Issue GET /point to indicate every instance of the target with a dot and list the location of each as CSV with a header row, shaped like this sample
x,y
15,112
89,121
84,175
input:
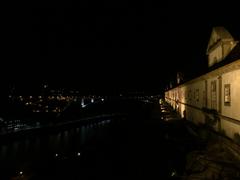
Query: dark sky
x,y
110,45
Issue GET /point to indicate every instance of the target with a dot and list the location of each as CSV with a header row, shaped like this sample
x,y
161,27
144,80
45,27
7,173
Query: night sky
x,y
108,45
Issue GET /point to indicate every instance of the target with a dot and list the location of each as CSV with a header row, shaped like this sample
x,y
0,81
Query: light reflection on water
x,y
44,145
83,135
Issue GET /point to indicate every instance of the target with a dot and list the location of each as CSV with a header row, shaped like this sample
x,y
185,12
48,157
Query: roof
x,y
218,34
232,56
222,32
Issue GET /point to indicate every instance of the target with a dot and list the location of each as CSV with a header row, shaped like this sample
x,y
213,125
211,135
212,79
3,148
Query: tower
x,y
220,45
179,77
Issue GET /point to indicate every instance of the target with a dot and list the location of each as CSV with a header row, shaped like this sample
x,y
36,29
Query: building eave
x,y
217,72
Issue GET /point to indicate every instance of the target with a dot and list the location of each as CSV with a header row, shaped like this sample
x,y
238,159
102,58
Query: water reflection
x,y
36,142
51,142
40,148
82,135
3,154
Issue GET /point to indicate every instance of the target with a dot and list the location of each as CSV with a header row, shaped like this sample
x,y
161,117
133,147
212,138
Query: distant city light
x,y
21,173
82,102
56,155
78,153
160,101
102,99
173,173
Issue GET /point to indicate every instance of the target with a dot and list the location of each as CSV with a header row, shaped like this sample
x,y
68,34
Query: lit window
x,y
227,95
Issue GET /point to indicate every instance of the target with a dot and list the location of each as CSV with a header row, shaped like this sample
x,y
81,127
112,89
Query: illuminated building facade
x,y
214,96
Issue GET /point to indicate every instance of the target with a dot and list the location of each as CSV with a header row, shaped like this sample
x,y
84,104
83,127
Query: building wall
x,y
230,128
227,47
215,56
208,92
232,110
212,102
221,51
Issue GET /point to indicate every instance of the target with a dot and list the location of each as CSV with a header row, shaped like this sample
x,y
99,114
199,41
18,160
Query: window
x,y
190,95
214,95
227,95
215,60
204,98
197,94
